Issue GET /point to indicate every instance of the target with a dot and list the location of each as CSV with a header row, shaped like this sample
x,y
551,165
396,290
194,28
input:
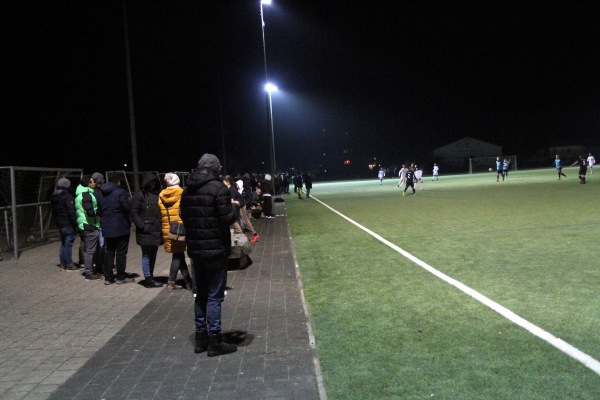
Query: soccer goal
x,y
483,164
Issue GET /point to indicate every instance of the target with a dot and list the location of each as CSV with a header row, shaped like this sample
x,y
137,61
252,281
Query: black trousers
x,y
116,252
267,205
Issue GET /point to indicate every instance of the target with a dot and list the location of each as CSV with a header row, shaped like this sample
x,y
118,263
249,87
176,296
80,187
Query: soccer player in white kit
x,y
418,177
591,162
380,175
402,175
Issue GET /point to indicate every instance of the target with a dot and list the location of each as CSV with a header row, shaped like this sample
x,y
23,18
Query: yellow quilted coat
x,y
170,197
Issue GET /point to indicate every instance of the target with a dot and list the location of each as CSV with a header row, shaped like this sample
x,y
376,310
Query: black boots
x,y
151,283
201,342
217,347
189,285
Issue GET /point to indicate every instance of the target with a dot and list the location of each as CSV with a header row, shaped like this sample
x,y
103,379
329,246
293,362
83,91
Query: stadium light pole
x,y
134,152
269,89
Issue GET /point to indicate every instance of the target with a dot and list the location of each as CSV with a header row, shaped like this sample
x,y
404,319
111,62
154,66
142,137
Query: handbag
x,y
176,229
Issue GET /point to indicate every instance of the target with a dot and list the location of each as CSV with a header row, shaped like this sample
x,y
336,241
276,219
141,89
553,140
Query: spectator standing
x,y
65,217
88,223
116,229
267,196
286,183
99,255
169,200
591,161
559,166
436,172
207,211
235,195
146,216
244,206
308,183
298,184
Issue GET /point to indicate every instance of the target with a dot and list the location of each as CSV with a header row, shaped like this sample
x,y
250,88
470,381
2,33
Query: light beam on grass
x,y
560,344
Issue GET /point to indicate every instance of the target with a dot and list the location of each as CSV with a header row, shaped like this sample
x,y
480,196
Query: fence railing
x,y
25,209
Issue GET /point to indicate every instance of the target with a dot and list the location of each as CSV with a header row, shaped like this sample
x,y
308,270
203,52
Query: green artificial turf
x,y
386,328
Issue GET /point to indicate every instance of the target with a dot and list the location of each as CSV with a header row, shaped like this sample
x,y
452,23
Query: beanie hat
x,y
171,179
64,183
98,178
209,162
268,177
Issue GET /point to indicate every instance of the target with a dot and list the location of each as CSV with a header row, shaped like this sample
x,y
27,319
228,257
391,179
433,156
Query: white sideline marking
x,y
560,344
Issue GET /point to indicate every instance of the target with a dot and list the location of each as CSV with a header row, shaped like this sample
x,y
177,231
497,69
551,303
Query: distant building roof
x,y
467,148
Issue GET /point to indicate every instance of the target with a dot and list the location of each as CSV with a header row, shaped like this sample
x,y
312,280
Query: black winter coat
x,y
308,181
63,208
114,211
207,211
146,216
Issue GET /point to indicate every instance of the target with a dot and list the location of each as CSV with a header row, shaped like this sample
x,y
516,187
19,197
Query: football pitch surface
x,y
472,288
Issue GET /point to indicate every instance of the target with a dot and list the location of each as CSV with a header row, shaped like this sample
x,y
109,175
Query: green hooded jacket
x,y
87,209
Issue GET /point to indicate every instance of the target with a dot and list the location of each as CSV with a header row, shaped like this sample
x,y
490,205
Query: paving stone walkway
x,y
62,337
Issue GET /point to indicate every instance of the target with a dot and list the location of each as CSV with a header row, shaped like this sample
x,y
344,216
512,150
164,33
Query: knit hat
x,y
98,178
171,179
64,183
209,162
268,177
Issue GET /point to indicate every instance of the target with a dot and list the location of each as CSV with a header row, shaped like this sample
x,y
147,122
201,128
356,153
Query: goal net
x,y
483,164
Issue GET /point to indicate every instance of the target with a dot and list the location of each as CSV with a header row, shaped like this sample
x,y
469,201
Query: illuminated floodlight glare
x,y
269,87
265,2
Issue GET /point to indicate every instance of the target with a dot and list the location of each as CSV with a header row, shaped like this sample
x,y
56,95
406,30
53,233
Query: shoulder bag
x,y
176,229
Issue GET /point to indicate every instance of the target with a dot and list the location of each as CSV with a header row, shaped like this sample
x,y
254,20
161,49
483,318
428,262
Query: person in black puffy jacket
x,y
146,216
207,210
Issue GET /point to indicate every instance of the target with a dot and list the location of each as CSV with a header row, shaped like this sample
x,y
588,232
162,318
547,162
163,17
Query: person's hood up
x,y
149,181
209,162
199,177
171,195
240,185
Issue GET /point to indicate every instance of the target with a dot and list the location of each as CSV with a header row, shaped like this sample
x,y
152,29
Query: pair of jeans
x,y
116,250
148,260
210,275
178,264
90,239
67,239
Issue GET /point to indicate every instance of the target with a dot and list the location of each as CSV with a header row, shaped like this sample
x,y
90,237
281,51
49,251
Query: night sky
x,y
389,80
